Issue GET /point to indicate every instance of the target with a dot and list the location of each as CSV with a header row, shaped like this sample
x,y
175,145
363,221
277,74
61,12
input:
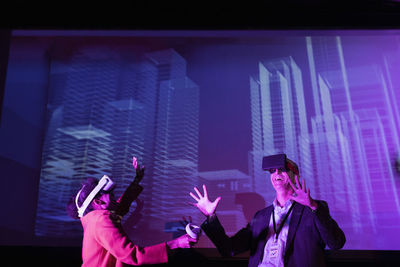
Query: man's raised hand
x,y
203,203
302,194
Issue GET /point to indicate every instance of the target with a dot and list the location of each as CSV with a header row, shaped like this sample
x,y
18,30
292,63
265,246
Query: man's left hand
x,y
302,194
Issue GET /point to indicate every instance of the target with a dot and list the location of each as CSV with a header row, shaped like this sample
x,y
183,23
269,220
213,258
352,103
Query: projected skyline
x,y
345,178
206,112
145,108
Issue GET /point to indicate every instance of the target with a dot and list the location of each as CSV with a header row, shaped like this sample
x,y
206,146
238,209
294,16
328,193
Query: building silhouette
x,y
279,119
104,108
360,102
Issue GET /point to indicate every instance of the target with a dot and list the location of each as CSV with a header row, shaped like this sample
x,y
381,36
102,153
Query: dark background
x,y
250,14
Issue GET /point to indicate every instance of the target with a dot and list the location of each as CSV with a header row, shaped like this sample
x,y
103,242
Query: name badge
x,y
273,250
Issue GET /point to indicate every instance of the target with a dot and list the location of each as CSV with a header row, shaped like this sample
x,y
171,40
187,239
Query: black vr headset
x,y
279,161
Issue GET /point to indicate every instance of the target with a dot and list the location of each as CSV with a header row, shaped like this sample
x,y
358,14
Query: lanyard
x,y
283,221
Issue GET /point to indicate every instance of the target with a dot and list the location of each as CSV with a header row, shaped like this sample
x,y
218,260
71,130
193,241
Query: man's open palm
x,y
203,203
302,195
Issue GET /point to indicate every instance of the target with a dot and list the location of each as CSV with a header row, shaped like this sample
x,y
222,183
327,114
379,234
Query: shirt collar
x,y
285,207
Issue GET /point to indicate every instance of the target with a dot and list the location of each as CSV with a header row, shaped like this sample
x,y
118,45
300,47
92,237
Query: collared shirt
x,y
279,247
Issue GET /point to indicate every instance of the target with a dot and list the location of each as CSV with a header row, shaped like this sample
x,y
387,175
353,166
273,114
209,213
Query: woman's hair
x,y
87,187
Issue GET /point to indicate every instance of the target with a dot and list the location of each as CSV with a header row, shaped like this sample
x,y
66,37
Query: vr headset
x,y
105,184
279,161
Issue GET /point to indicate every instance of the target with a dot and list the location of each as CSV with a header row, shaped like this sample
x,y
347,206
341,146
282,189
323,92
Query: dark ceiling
x,y
217,14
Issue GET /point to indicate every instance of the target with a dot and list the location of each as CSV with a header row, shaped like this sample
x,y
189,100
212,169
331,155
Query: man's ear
x,y
292,177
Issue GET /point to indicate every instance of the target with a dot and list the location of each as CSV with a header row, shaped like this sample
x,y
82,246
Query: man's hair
x,y
292,166
293,169
87,187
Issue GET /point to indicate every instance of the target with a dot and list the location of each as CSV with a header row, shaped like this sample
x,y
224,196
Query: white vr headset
x,y
105,184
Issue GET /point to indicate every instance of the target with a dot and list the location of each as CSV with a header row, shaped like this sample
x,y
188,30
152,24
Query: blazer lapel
x,y
294,223
263,228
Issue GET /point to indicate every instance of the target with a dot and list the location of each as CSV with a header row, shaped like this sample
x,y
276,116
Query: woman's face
x,y
107,201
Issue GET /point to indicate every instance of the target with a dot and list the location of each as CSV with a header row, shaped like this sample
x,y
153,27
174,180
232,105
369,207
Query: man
x,y
293,231
104,241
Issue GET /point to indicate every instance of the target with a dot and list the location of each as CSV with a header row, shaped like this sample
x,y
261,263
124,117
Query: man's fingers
x,y
198,192
216,201
193,196
292,185
192,204
205,191
297,182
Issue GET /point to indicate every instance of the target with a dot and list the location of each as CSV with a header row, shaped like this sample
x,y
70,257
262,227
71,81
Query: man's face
x,y
280,180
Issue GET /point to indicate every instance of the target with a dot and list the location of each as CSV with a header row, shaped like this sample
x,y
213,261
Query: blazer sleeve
x,y
110,235
328,228
227,246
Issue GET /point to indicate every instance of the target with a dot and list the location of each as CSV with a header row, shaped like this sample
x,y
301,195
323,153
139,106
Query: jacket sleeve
x,y
328,228
227,246
110,235
131,193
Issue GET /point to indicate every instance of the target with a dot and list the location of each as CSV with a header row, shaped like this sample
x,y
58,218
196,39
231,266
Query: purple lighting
x,y
204,108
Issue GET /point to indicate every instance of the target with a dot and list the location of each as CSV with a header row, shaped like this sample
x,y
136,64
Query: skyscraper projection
x,y
347,154
357,96
204,109
104,109
279,119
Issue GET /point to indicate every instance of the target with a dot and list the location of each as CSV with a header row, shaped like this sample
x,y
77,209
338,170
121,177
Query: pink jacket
x,y
105,244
